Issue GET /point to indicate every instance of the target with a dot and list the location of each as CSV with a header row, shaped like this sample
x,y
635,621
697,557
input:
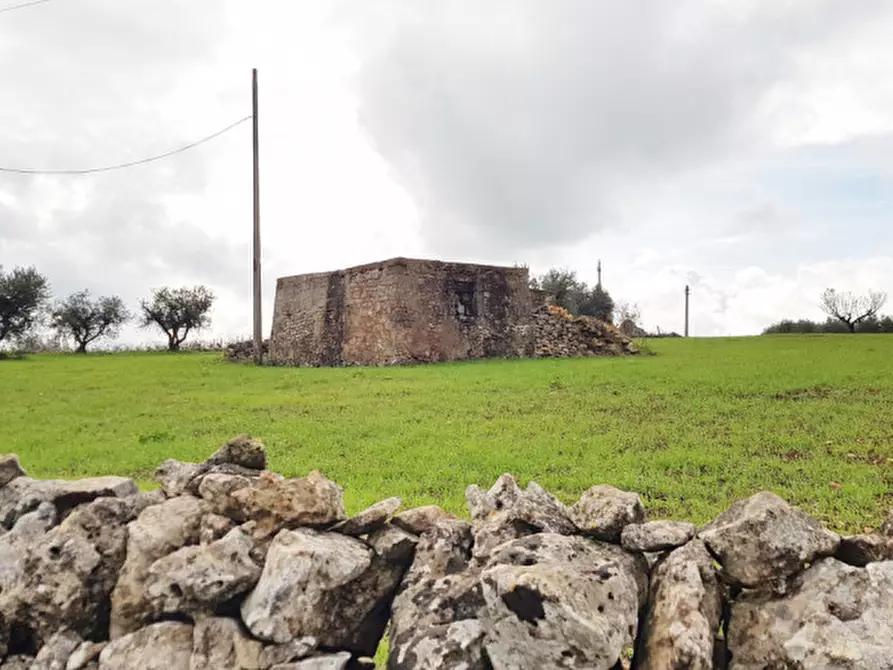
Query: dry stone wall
x,y
558,334
228,565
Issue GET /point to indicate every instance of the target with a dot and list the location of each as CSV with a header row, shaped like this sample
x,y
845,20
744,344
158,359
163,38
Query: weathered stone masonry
x,y
230,566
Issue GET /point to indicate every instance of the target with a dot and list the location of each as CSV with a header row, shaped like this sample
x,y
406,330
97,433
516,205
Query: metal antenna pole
x,y
258,327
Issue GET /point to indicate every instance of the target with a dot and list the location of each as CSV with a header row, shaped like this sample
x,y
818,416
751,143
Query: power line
x,y
121,166
22,6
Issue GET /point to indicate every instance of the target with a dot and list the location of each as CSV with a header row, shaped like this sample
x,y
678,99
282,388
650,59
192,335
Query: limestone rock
x,y
455,645
603,511
219,643
213,527
683,613
242,450
195,579
419,520
294,650
175,476
24,494
336,661
84,655
370,519
9,469
17,662
160,646
860,550
311,501
218,489
145,499
656,535
393,544
506,512
445,549
763,538
561,601
324,585
833,616
158,531
887,526
55,653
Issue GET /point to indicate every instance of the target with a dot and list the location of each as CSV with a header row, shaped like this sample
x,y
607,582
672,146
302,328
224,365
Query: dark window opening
x,y
465,307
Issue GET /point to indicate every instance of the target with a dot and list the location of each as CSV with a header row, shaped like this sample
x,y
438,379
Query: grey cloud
x,y
518,124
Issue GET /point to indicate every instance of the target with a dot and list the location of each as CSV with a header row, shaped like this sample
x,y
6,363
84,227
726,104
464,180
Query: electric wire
x,y
23,5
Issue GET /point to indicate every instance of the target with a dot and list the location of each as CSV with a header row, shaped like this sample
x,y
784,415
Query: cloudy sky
x,y
743,147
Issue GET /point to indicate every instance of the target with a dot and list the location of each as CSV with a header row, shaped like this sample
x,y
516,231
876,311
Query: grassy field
x,y
701,424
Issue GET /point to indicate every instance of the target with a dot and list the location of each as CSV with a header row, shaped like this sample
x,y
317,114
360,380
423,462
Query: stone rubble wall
x,y
229,565
558,334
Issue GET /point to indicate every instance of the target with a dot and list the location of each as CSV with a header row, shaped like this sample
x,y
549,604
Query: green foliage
x,y
178,312
700,425
872,324
23,294
574,295
86,320
851,309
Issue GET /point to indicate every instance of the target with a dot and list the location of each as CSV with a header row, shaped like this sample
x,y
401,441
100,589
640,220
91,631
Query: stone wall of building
x,y
402,311
230,566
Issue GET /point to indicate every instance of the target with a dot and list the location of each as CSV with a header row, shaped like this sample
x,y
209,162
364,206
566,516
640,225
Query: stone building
x,y
402,311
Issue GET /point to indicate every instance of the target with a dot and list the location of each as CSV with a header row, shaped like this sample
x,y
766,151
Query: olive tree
x,y
177,312
86,320
851,309
23,294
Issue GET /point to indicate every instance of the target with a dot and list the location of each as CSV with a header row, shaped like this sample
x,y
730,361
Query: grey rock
x,y
220,642
684,612
887,526
506,512
10,469
218,489
275,504
159,646
328,586
419,520
561,601
833,616
55,653
763,538
24,494
175,476
393,544
603,511
195,579
17,662
213,527
87,653
337,661
294,650
242,450
145,499
229,469
458,645
860,550
656,535
370,519
445,549
158,531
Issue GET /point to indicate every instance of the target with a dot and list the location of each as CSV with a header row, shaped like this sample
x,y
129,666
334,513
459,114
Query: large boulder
x,y
196,579
763,538
220,642
833,616
23,494
325,585
276,504
158,531
558,601
603,512
160,646
506,512
684,612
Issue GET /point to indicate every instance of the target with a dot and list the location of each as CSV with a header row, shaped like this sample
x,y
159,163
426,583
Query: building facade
x,y
402,311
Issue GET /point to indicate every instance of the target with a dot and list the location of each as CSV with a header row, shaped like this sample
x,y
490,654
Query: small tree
x,y
23,294
86,320
628,317
851,309
178,312
564,287
598,303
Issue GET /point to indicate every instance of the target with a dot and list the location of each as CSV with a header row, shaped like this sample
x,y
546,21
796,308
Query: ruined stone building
x,y
402,311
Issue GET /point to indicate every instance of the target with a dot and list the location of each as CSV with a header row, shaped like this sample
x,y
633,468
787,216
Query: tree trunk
x,y
82,348
851,326
173,344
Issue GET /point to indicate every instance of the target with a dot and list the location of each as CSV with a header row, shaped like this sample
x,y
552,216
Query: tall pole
x,y
599,272
687,291
258,327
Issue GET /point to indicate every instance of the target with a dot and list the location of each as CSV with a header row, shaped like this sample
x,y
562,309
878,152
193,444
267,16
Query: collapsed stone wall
x,y
558,334
228,565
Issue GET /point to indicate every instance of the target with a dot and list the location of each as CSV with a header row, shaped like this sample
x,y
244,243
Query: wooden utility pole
x,y
687,291
258,324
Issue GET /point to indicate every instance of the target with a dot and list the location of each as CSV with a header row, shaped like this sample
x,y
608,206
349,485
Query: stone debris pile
x,y
558,334
228,565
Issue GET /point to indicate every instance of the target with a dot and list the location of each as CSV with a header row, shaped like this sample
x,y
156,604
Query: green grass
x,y
703,423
